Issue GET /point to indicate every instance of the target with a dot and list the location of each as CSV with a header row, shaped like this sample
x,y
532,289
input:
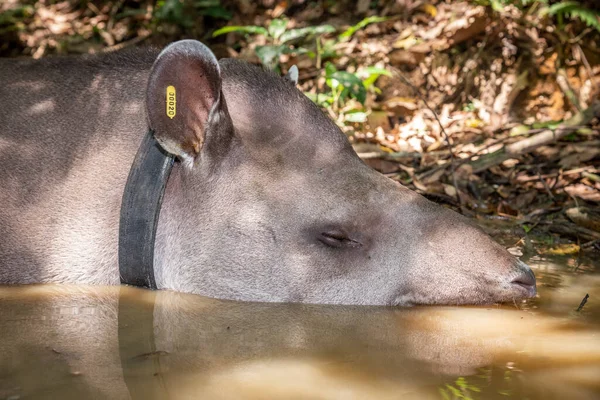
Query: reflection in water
x,y
80,342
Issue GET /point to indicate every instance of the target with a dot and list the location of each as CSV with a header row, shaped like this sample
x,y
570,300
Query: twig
x,y
309,75
318,44
423,175
581,35
548,136
94,9
392,156
540,212
542,138
590,244
544,183
591,176
563,83
585,299
128,43
570,229
425,172
481,150
113,12
452,158
585,61
581,171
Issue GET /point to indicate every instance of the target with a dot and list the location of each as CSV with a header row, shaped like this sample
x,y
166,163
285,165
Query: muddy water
x,y
118,343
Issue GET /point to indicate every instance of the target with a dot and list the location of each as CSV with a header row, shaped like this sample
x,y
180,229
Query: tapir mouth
x,y
525,280
518,285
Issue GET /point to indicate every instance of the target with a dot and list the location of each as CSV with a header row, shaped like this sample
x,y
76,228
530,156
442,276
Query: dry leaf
x,y
429,9
585,217
584,192
562,249
579,156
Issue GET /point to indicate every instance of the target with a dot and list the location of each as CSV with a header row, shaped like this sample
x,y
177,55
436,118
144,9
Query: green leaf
x,y
301,32
216,12
444,394
255,30
573,9
328,49
172,11
560,8
589,17
277,27
321,99
370,81
12,16
302,50
355,116
351,83
546,125
269,55
571,137
329,69
378,71
455,391
128,13
372,73
207,3
353,29
497,5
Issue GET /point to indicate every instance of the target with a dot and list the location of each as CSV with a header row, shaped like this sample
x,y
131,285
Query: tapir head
x,y
271,203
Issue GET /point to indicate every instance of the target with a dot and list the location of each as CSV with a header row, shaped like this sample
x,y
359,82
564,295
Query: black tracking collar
x,y
140,209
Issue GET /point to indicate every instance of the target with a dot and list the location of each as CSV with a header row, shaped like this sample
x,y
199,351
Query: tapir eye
x,y
337,238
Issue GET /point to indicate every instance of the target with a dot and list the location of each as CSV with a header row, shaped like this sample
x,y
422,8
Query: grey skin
x,y
269,202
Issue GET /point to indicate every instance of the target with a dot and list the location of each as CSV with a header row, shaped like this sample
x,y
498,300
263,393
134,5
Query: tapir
x,y
264,198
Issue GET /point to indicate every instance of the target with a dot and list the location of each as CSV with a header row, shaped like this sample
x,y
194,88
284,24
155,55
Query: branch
x,y
545,137
448,142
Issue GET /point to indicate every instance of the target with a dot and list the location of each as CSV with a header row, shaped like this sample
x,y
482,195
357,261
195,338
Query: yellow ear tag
x,y
171,102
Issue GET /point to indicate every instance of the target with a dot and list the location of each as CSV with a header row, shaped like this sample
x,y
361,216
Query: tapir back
x,y
69,128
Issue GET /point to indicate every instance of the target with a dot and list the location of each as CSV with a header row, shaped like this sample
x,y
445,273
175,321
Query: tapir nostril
x,y
525,279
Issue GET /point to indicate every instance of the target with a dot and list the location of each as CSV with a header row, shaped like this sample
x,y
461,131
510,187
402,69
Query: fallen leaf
x,y
409,58
583,191
474,123
383,166
585,217
525,199
429,9
402,106
579,156
379,119
504,191
549,65
405,43
450,190
471,24
562,249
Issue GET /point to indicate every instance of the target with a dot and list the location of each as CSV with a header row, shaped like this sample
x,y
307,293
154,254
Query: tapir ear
x,y
183,98
292,74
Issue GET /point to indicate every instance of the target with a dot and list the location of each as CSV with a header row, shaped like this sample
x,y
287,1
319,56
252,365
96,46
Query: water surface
x,y
74,342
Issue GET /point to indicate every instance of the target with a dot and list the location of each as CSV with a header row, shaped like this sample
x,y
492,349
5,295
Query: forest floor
x,y
490,106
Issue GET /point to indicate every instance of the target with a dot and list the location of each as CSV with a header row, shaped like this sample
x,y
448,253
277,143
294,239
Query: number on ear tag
x,y
171,102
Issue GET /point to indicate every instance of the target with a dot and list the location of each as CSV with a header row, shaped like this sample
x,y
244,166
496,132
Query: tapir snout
x,y
463,264
267,201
